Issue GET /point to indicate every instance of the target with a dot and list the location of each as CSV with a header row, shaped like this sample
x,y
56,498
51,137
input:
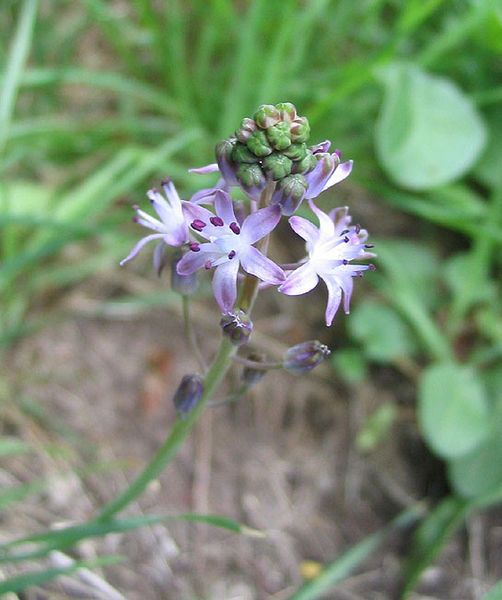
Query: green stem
x,y
190,334
179,432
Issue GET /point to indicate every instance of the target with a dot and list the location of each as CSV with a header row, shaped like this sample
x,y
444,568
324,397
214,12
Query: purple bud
x,y
188,394
185,285
237,327
252,376
304,357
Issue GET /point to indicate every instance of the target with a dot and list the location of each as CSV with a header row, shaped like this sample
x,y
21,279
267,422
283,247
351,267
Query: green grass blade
x,y
352,558
15,65
10,446
32,578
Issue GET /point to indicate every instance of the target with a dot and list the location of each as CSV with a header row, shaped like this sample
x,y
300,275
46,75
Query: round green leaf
x,y
452,411
384,336
479,472
428,132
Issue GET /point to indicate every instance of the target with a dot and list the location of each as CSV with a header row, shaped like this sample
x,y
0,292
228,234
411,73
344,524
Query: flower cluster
x,y
269,159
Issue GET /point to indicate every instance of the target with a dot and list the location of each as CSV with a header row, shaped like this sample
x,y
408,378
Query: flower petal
x,y
257,225
339,174
224,207
300,281
322,147
318,177
305,229
142,242
212,168
192,261
334,298
257,264
225,285
326,225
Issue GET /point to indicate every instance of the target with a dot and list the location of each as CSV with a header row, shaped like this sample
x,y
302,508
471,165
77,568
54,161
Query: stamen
x,y
371,267
198,225
207,265
217,221
345,231
135,219
231,254
235,228
194,247
166,181
346,239
345,261
369,245
135,206
358,228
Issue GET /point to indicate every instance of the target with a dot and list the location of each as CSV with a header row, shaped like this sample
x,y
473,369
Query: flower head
x,y
331,247
170,227
229,245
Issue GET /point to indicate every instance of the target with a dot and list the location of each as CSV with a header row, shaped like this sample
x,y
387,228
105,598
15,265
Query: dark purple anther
x,y
358,228
198,225
194,247
235,228
346,239
345,261
217,221
231,254
369,245
135,219
207,265
344,232
372,267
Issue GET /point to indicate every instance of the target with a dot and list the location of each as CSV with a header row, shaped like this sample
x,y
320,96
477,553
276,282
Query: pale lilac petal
x,y
192,261
339,174
206,195
225,285
257,264
322,147
224,207
159,258
317,178
340,217
347,285
257,225
212,168
177,236
143,218
172,194
194,212
305,229
142,242
334,299
161,206
326,225
300,281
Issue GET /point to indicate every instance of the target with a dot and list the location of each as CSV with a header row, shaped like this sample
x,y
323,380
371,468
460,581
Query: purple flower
x,y
330,249
171,229
229,245
328,171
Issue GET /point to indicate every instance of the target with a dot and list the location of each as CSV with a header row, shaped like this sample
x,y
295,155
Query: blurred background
x,y
100,100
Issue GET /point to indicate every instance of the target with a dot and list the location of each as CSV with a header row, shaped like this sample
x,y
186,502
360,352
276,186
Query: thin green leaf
x,y
15,66
350,560
32,578
11,446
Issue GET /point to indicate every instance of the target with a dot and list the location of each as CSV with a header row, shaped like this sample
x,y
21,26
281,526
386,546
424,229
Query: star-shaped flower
x,y
331,247
229,246
171,229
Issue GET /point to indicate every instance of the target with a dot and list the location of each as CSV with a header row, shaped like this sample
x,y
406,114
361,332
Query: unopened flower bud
x,y
188,394
279,136
241,154
226,165
251,376
248,126
300,130
286,110
306,164
237,327
251,177
296,151
258,144
185,285
304,357
277,166
266,116
289,193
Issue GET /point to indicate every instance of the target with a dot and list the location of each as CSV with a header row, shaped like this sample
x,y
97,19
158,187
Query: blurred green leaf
x,y
488,170
495,593
453,410
10,446
428,132
430,537
349,364
376,427
383,335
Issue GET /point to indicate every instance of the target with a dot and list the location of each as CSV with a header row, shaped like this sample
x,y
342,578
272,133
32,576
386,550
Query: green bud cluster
x,y
271,145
